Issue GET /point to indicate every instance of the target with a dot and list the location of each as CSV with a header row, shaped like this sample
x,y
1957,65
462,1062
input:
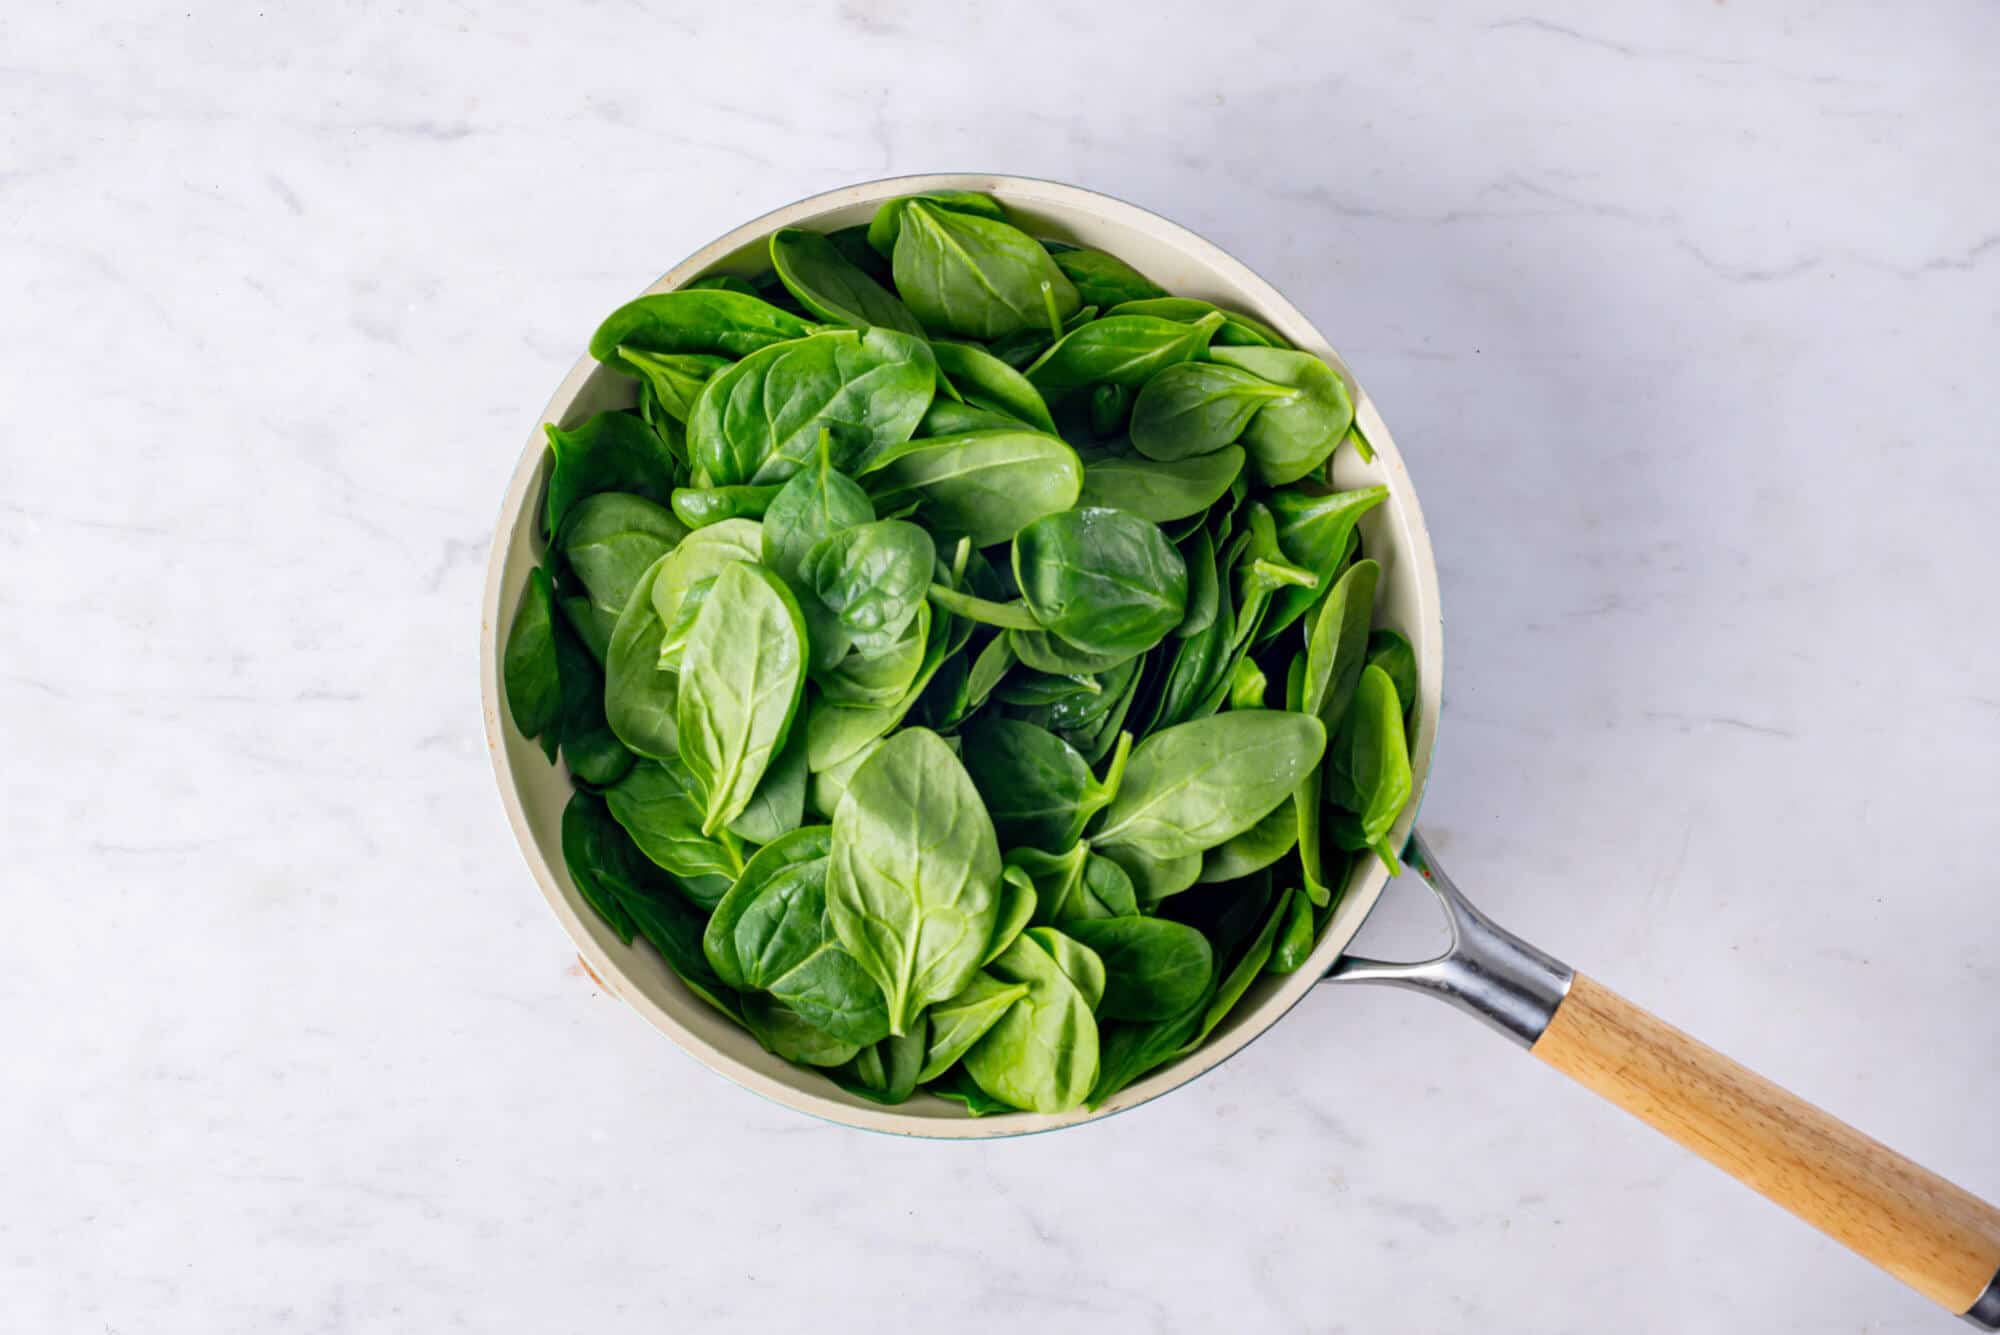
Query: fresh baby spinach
x,y
964,665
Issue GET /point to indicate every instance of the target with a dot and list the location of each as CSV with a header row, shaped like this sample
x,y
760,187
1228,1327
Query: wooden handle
x,y
1939,1239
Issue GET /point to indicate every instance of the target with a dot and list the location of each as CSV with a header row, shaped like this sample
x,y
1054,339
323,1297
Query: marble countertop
x,y
1684,317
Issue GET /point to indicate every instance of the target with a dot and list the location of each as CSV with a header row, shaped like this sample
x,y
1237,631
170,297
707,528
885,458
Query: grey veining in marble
x,y
1684,315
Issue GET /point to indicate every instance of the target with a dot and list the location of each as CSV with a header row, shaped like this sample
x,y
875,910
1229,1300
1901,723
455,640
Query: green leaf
x,y
1237,328
608,540
1315,532
1195,408
675,378
1105,280
804,845
914,890
693,320
760,420
528,667
741,678
1153,969
1368,766
988,485
1288,438
1042,1054
1103,580
873,577
1119,350
989,383
698,507
832,286
640,701
609,452
958,1022
592,751
660,805
1191,787
887,224
975,277
1161,492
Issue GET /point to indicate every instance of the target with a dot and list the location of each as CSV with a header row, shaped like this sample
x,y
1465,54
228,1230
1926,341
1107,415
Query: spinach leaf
x,y
1161,492
1391,651
885,1071
528,668
1103,580
991,384
1120,350
914,889
1237,329
1128,1050
1204,586
779,804
609,452
698,507
608,540
1042,1054
782,947
1288,438
641,702
598,857
976,277
1105,280
1337,646
832,286
988,485
815,503
741,679
1038,790
674,378
660,806
1315,532
887,224
786,1033
1368,768
1255,848
879,679
1017,909
760,420
1021,349
1198,407
1110,405
594,754
958,1022
693,320
834,733
701,556
949,417
1295,936
1153,878
1190,787
1043,652
960,1088
873,577
1153,969
1075,885
718,943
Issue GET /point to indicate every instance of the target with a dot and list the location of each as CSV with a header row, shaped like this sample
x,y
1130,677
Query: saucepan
x,y
1936,1237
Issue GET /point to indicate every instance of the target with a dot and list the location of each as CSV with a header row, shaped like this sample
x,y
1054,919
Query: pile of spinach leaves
x,y
966,669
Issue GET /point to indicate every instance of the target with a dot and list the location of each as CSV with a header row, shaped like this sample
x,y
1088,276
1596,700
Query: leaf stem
x,y
1009,616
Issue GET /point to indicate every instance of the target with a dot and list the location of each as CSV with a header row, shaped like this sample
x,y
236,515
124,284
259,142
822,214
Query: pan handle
x,y
1937,1238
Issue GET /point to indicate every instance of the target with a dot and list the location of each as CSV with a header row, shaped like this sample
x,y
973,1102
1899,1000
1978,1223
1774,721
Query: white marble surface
x,y
1684,315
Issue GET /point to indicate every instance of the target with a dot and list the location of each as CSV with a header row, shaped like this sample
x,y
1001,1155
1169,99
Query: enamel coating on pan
x,y
533,792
